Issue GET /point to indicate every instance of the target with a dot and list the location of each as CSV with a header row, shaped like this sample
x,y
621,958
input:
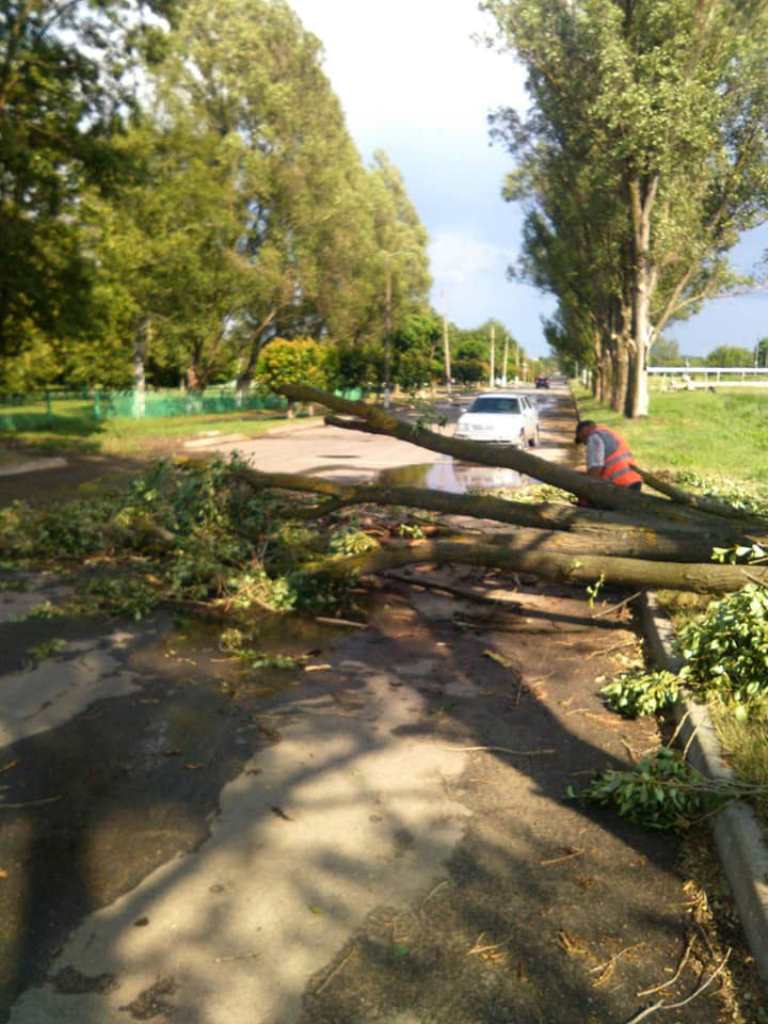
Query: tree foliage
x,y
186,226
643,156
65,84
730,355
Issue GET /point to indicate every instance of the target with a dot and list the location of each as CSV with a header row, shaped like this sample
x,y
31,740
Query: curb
x,y
738,837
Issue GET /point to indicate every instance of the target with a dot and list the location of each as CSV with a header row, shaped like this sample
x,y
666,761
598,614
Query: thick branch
x,y
703,502
549,565
581,530
373,420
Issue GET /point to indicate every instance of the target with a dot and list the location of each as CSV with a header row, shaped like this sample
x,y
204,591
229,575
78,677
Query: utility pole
x,y
388,332
493,356
505,364
447,354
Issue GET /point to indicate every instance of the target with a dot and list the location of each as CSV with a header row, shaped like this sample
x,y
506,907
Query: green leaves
x,y
662,791
635,693
726,650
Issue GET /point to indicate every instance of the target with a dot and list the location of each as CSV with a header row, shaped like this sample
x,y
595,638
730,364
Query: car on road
x,y
542,382
500,417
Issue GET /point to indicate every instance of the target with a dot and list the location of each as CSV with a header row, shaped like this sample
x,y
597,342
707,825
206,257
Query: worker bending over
x,y
608,455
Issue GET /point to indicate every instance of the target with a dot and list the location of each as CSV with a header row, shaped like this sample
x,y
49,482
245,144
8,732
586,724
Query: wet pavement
x,y
350,457
376,833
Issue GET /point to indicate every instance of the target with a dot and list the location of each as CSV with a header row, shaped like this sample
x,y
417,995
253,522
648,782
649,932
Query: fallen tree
x,y
626,538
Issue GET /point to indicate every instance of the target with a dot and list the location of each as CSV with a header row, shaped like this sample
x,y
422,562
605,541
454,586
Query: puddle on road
x,y
454,477
195,651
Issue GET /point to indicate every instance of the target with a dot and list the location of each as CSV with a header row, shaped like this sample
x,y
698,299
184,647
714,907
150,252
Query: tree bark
x,y
587,530
550,565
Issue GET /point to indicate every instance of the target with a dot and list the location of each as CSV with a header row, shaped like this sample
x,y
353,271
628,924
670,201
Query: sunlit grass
x,y
746,746
77,431
721,434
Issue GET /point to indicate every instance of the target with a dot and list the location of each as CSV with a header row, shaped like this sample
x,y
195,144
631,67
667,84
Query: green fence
x,y
45,409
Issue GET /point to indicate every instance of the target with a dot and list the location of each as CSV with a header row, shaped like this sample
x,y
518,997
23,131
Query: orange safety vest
x,y
619,461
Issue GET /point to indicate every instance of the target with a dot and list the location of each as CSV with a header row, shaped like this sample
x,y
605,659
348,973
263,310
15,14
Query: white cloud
x,y
457,259
409,70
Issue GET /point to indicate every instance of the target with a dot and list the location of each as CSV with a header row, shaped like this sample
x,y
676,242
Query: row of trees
x,y
666,352
414,358
178,188
642,158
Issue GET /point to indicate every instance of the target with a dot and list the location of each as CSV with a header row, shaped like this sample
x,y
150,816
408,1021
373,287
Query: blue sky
x,y
413,82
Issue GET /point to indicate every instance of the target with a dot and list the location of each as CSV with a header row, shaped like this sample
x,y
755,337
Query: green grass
x,y
722,434
75,432
746,748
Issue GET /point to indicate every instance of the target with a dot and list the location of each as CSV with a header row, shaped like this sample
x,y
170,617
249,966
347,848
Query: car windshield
x,y
495,405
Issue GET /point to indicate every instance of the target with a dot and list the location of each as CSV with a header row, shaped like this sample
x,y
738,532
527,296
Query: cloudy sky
x,y
413,82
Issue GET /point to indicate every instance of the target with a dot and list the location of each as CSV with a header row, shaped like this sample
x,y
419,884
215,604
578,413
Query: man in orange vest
x,y
608,455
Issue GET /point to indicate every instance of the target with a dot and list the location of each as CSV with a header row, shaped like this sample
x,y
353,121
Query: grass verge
x,y
722,434
722,437
124,436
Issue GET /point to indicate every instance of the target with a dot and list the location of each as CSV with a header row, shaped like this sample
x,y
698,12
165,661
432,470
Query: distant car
x,y
542,382
500,418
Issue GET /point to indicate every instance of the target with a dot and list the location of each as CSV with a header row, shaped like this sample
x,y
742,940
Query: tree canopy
x,y
178,190
642,159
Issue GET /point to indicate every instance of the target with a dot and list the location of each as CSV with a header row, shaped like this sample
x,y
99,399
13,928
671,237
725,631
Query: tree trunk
x,y
563,568
372,420
644,537
642,195
620,379
140,342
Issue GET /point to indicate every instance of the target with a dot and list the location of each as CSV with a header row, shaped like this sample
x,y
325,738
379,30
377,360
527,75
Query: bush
x,y
299,361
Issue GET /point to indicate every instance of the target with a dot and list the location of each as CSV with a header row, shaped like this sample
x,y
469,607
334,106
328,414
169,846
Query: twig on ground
x,y
340,622
7,767
646,1012
616,647
31,803
326,982
606,969
476,949
679,727
434,892
560,860
704,985
678,972
662,1006
690,740
504,750
633,755
617,607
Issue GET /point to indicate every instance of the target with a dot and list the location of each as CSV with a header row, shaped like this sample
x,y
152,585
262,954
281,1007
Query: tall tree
x,y
662,103
64,83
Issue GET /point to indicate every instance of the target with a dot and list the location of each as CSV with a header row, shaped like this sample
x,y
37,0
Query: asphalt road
x,y
384,838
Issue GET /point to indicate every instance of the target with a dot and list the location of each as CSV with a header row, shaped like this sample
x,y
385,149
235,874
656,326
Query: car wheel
x,y
535,439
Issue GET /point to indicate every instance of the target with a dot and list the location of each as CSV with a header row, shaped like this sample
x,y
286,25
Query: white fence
x,y
710,376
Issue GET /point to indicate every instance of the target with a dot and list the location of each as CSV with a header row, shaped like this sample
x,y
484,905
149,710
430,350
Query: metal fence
x,y
44,409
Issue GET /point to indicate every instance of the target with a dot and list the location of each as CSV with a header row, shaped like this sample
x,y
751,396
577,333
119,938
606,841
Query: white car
x,y
500,417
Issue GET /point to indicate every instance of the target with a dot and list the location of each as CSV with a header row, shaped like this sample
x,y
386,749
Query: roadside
x,y
209,844
57,477
697,433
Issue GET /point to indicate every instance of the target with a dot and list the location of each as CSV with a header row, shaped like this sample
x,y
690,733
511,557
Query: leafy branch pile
x,y
185,533
662,791
726,652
